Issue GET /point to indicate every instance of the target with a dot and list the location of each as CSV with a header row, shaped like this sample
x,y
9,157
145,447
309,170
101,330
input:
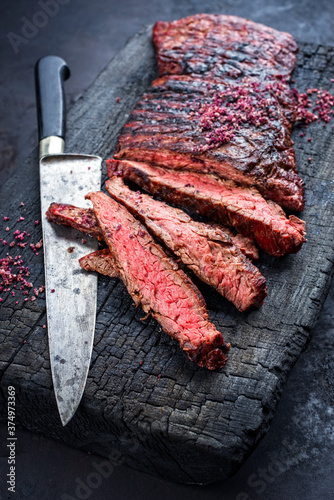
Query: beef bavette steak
x,y
218,45
101,261
207,251
156,283
243,208
190,124
85,221
82,219
223,105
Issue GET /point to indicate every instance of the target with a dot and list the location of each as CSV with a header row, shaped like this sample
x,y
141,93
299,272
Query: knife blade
x,y
70,292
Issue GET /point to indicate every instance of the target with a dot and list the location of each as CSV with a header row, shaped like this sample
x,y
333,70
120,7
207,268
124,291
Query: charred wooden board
x,y
144,400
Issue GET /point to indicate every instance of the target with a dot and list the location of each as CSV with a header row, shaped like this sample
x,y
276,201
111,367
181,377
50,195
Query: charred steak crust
x,y
101,261
219,45
207,251
243,208
154,281
215,69
76,217
164,128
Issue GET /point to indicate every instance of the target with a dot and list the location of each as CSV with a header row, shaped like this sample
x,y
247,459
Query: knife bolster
x,y
51,146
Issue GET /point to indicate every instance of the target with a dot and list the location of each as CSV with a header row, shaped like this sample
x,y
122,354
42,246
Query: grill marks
x,y
243,208
154,281
183,144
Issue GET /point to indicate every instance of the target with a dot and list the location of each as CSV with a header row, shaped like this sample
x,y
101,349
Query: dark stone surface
x,y
303,420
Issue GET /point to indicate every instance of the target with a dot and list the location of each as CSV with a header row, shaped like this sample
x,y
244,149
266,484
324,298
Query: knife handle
x,y
50,74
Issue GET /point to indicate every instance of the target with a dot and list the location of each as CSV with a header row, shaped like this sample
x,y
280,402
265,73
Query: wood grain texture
x,y
145,402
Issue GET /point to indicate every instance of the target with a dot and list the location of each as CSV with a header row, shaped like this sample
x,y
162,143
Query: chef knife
x,y
70,292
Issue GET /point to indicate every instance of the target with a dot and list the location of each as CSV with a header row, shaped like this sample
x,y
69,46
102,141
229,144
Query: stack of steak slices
x,y
211,135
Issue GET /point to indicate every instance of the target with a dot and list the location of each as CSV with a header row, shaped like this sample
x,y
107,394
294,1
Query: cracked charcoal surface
x,y
216,418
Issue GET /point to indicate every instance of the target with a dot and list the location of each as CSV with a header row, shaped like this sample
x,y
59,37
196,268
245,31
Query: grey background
x,y
295,459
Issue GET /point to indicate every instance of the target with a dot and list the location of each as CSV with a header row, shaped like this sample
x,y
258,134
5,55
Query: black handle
x,y
50,74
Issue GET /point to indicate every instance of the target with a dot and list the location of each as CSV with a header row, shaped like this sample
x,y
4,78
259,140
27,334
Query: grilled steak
x,y
101,261
246,244
223,106
76,217
219,46
154,281
80,218
183,123
207,251
243,208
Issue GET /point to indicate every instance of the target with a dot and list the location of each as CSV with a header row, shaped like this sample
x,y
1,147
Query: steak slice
x,y
240,132
246,244
243,208
101,261
207,251
154,281
219,45
76,217
82,219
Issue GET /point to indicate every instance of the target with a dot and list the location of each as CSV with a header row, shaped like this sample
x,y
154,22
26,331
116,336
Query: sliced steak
x,y
85,221
101,261
243,208
221,105
246,244
207,251
154,281
221,46
240,132
82,219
